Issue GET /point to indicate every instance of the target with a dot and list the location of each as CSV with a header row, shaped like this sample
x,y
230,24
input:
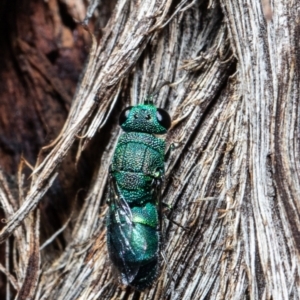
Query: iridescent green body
x,y
134,217
138,159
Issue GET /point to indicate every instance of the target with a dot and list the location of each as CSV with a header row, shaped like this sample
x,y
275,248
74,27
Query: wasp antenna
x,y
159,87
149,98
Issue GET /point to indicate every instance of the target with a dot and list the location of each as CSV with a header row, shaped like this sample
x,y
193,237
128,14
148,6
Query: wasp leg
x,y
167,206
172,147
157,183
200,200
185,228
157,191
149,98
170,208
168,153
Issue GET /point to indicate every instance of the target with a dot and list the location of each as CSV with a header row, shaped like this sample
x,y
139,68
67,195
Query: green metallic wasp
x,y
134,220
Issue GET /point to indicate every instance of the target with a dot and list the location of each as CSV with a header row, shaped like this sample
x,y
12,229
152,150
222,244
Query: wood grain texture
x,y
233,176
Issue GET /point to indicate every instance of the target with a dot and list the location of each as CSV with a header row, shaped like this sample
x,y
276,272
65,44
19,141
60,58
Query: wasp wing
x,y
120,228
133,243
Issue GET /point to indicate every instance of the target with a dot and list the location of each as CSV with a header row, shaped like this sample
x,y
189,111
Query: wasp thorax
x,y
145,118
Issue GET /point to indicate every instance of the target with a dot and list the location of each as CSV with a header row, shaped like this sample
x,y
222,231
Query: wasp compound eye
x,y
163,118
124,115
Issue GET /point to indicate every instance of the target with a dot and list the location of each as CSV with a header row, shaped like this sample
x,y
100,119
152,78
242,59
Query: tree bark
x,y
233,177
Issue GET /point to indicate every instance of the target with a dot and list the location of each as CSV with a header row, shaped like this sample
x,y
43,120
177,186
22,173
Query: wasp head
x,y
145,118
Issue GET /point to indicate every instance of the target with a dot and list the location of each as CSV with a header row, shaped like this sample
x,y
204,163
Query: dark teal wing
x,y
119,229
133,238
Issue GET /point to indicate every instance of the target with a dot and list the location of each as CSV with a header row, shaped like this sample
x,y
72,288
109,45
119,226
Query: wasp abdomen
x,y
136,254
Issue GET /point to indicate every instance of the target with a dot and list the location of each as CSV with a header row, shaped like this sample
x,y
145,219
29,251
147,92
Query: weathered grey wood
x,y
234,175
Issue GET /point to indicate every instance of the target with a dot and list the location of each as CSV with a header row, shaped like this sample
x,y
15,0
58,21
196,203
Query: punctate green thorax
x,y
138,161
136,174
